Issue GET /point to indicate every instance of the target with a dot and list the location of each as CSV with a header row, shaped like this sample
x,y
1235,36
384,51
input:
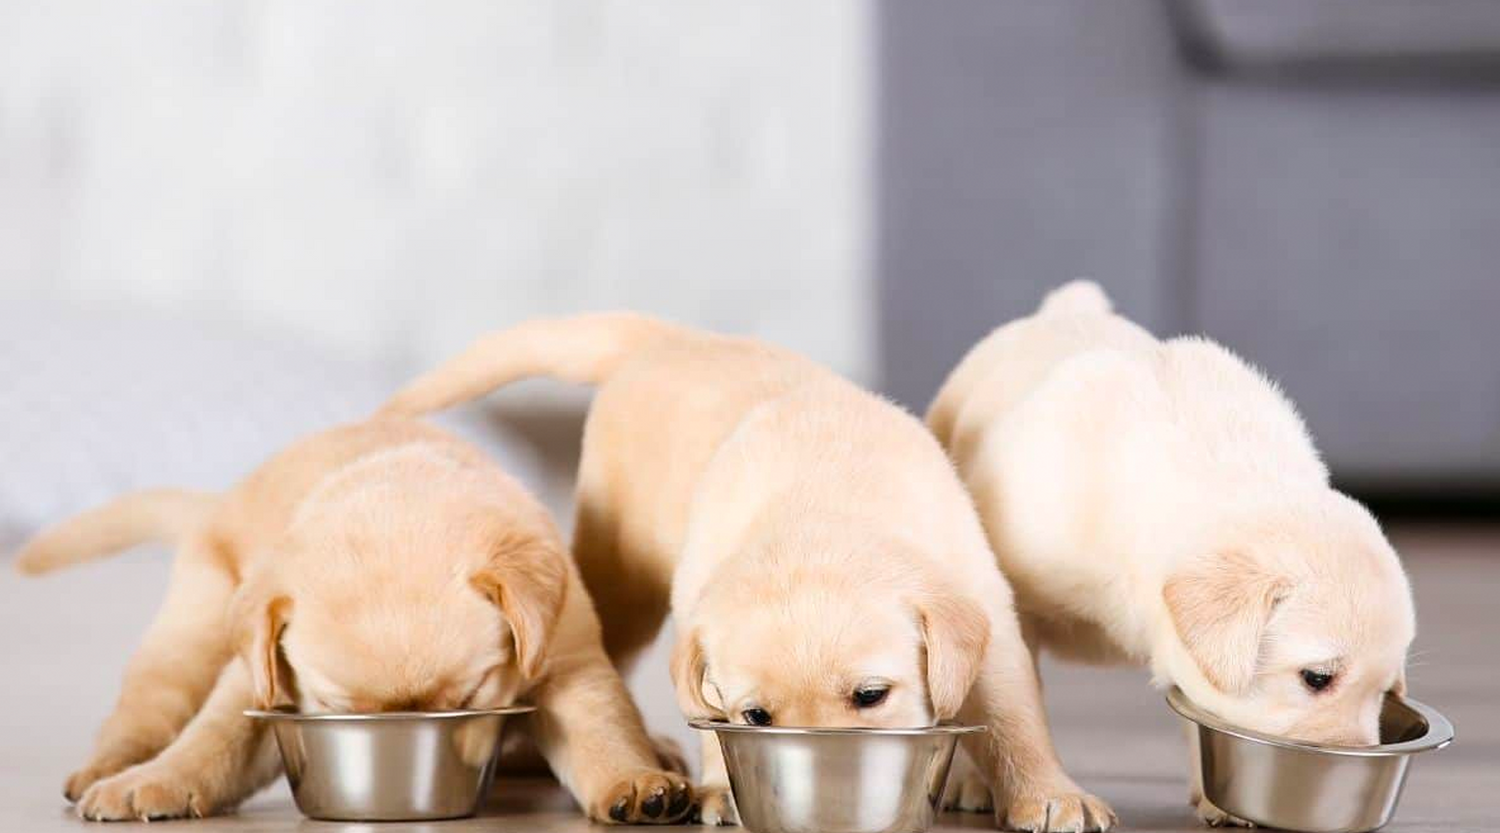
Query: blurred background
x,y
226,224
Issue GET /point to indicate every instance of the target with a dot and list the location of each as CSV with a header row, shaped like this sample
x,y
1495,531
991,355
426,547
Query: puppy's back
x,y
262,507
1013,360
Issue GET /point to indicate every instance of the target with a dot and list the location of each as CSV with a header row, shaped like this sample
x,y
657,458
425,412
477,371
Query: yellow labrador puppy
x,y
382,566
822,563
1162,503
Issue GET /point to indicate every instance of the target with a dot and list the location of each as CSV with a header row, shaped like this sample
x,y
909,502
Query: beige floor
x,y
63,640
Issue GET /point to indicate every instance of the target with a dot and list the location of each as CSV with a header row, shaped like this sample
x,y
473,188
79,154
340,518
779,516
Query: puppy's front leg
x,y
1202,807
968,789
1031,790
218,761
715,801
171,673
592,735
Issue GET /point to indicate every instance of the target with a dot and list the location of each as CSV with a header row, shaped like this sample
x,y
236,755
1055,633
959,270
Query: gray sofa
x,y
1316,184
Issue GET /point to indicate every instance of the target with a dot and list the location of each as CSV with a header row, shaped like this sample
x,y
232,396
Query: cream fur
x,y
377,567
808,538
1162,503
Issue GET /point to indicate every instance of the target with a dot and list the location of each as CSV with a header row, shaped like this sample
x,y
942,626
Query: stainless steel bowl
x,y
1310,787
790,780
396,766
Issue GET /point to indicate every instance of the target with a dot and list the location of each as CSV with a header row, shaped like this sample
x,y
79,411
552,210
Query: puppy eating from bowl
x,y
821,561
378,567
1162,503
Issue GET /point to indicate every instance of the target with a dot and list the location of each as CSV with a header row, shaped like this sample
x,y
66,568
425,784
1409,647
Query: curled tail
x,y
136,518
1076,297
585,349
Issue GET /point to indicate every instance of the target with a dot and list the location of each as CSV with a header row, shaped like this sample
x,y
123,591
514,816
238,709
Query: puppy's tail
x,y
1081,297
586,349
136,518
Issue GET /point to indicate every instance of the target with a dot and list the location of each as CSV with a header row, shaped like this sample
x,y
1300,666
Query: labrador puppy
x,y
1162,503
382,566
822,562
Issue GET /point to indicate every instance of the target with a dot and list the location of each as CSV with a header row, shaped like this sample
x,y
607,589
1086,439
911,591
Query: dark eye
x,y
756,717
1316,680
864,698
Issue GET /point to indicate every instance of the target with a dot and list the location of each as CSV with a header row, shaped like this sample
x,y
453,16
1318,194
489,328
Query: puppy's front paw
x,y
1056,811
648,796
145,793
79,782
715,806
1214,817
967,792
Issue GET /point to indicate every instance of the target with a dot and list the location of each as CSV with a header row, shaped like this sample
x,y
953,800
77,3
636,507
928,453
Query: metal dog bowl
x,y
789,780
395,766
1311,787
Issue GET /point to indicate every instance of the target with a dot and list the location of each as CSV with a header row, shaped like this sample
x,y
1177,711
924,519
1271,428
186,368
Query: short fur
x,y
377,567
808,538
1162,503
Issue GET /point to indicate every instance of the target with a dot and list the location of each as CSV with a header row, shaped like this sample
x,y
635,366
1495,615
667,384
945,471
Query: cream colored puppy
x,y
1162,503
383,566
822,563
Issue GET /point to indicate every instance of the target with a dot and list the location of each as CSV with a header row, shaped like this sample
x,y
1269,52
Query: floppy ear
x,y
259,617
527,579
956,633
1220,605
689,673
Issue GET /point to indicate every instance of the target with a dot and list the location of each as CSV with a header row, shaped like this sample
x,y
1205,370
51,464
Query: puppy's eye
x,y
865,698
756,717
1316,680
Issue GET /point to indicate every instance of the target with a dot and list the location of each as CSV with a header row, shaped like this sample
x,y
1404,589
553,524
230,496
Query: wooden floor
x,y
64,637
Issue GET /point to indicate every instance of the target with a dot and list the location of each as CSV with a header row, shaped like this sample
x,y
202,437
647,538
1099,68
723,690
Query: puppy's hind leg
x,y
173,670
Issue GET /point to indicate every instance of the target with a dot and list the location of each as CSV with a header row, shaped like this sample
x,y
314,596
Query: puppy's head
x,y
420,606
772,643
1294,624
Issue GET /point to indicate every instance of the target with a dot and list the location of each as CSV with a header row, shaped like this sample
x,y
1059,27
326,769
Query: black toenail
x,y
617,812
679,801
655,803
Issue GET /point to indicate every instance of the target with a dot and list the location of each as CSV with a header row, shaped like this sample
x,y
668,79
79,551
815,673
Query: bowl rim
x,y
745,728
1439,731
373,717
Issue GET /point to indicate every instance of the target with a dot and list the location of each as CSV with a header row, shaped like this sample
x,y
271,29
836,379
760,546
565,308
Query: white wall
x,y
391,178
377,182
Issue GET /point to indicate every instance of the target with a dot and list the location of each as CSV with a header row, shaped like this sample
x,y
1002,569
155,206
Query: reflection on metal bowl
x,y
397,766
1309,787
791,780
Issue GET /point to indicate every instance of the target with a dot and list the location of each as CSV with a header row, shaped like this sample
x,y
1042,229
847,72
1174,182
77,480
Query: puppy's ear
x,y
689,675
258,617
1220,605
956,633
527,578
